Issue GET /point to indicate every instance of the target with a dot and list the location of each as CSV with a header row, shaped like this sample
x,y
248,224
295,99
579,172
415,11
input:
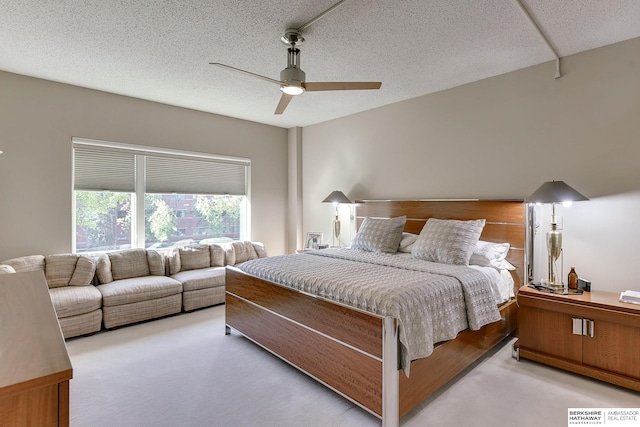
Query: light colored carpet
x,y
183,371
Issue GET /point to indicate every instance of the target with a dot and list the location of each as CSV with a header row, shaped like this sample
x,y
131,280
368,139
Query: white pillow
x,y
448,241
379,234
489,254
406,244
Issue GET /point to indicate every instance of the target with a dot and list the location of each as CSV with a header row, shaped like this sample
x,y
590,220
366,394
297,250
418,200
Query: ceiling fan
x,y
292,79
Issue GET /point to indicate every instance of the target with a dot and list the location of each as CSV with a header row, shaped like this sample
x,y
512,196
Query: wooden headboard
x,y
505,220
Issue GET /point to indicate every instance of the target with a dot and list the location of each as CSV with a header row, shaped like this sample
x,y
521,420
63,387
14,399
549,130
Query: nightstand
x,y
592,334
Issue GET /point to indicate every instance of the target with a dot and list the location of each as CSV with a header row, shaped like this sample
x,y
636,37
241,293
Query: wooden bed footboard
x,y
340,346
353,352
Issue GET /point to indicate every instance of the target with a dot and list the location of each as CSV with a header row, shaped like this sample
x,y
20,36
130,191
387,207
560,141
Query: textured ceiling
x,y
160,50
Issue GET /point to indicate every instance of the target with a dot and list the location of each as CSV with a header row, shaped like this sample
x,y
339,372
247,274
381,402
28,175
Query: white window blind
x,y
101,166
101,169
192,176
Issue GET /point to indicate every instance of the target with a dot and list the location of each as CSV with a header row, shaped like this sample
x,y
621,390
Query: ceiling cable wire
x,y
544,37
313,21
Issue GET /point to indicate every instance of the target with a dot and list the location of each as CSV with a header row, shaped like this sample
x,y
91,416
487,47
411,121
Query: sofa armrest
x,y
6,269
26,263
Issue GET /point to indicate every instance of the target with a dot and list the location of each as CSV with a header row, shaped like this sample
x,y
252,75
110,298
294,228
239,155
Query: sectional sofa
x,y
133,285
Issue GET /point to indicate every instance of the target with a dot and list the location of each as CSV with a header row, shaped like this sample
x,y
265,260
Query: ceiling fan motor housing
x,y
292,75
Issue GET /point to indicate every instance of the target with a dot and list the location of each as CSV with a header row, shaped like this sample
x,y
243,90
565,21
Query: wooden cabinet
x,y
34,364
592,334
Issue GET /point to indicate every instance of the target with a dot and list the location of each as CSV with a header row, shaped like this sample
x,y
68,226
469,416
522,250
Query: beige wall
x,y
38,118
501,138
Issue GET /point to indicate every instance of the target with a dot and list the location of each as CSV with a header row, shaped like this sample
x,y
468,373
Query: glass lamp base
x,y
556,287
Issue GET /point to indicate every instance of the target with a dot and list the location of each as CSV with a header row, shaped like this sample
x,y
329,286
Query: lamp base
x,y
556,287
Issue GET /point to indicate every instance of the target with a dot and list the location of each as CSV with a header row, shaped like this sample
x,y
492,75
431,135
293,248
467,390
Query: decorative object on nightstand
x,y
336,197
584,284
572,279
555,192
313,240
632,297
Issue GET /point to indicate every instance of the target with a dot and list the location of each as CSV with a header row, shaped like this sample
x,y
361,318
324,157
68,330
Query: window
x,y
132,196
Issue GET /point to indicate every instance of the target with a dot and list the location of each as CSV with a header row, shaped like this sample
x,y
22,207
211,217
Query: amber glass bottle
x,y
573,279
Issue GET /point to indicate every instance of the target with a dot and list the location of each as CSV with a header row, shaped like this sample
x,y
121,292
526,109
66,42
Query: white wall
x,y
502,138
38,118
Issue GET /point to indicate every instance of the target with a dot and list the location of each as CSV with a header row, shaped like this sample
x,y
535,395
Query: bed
x,y
360,353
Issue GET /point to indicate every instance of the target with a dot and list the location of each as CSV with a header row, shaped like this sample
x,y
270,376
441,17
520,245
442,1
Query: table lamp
x,y
555,192
336,197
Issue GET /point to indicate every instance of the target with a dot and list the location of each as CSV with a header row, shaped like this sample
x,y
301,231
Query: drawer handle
x,y
577,326
588,327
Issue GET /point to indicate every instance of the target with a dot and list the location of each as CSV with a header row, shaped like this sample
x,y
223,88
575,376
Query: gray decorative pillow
x,y
448,241
379,234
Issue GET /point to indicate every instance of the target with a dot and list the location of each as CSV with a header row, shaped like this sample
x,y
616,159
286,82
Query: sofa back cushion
x,y
194,257
260,249
26,263
84,272
217,255
59,269
68,269
242,251
156,263
103,269
129,263
173,261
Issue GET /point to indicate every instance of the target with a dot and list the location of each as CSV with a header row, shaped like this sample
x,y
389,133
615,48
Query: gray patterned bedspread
x,y
432,302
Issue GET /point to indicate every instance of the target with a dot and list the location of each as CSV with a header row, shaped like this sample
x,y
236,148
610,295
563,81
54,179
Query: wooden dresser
x,y
34,364
592,334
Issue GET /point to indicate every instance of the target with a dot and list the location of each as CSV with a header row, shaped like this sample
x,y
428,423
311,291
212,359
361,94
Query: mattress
x,y
432,302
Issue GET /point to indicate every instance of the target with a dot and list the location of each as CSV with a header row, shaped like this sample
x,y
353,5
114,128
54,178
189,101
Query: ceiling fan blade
x,y
319,86
284,101
249,73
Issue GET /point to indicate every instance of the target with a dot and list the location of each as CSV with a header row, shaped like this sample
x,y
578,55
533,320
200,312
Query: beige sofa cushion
x,y
193,280
129,263
137,289
74,300
156,263
85,270
260,249
68,269
217,255
5,269
194,257
103,269
173,261
243,251
26,263
59,269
